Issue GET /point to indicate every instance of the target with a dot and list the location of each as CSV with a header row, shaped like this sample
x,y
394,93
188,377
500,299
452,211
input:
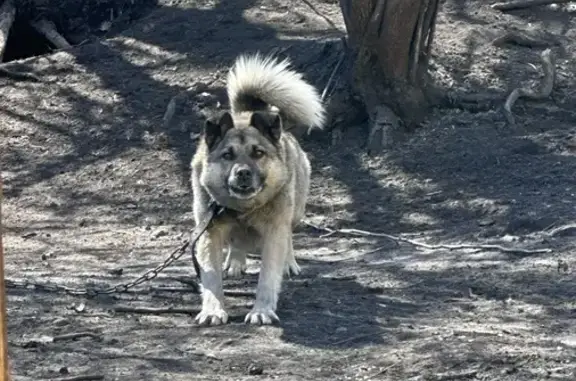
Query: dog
x,y
248,161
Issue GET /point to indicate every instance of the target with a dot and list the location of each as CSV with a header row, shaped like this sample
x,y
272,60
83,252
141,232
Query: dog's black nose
x,y
244,177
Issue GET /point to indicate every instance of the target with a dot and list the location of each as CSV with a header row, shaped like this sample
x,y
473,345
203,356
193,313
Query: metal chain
x,y
214,210
120,288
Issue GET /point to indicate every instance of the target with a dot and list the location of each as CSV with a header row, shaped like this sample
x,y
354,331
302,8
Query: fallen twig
x,y
188,281
173,289
48,30
74,336
353,338
326,18
382,371
364,233
521,4
454,375
156,310
232,293
546,86
7,15
565,230
334,72
238,293
44,340
171,109
87,377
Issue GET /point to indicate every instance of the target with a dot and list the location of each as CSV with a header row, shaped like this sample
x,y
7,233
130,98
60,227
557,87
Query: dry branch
x,y
231,293
364,233
156,310
48,30
546,86
87,377
7,14
74,336
521,4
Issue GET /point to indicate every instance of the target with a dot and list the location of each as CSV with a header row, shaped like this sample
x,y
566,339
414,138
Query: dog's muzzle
x,y
243,182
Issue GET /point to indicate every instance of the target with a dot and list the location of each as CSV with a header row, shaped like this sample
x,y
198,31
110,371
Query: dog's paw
x,y
261,316
292,269
211,317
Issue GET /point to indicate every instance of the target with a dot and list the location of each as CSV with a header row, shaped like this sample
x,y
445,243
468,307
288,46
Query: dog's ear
x,y
270,125
214,130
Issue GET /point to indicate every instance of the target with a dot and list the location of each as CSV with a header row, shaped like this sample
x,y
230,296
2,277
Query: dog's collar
x,y
220,210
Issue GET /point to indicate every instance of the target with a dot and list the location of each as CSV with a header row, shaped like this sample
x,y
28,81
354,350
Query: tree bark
x,y
7,14
389,45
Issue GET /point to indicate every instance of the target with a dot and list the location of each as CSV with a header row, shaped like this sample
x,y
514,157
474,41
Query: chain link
x,y
213,211
119,288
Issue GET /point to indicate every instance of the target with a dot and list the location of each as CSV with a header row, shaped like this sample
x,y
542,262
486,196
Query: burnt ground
x,y
95,181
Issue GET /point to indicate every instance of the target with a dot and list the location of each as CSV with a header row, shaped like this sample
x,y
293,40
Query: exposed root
x,y
7,15
547,84
384,124
521,4
473,102
364,233
48,30
529,39
18,76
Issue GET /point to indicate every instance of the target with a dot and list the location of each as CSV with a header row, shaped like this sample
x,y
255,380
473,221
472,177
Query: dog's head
x,y
244,167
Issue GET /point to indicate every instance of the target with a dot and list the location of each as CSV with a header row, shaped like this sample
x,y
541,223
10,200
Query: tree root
x,y
48,30
522,4
529,39
365,233
547,84
18,76
473,102
384,125
7,15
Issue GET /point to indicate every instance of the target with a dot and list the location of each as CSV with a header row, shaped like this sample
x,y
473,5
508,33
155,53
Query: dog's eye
x,y
228,155
258,153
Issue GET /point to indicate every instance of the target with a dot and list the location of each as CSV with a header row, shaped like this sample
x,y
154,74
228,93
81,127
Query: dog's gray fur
x,y
249,162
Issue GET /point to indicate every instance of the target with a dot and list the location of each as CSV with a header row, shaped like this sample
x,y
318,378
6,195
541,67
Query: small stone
x,y
159,233
255,370
80,307
116,272
64,370
486,222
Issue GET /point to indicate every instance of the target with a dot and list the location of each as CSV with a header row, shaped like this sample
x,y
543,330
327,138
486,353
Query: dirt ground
x,y
96,182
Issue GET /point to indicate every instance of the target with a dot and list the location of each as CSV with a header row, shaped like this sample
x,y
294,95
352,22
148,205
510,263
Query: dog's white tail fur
x,y
255,81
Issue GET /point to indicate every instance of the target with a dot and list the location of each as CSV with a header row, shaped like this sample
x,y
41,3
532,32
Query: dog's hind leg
x,y
291,268
235,264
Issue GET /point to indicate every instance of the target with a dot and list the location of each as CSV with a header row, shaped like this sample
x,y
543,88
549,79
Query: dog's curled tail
x,y
256,82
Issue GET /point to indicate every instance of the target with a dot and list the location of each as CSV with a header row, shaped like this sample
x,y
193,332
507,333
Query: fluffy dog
x,y
248,161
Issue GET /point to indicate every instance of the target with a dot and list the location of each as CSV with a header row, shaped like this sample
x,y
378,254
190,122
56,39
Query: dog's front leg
x,y
277,242
209,256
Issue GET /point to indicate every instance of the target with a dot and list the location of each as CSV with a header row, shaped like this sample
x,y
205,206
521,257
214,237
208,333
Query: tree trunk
x,y
389,43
